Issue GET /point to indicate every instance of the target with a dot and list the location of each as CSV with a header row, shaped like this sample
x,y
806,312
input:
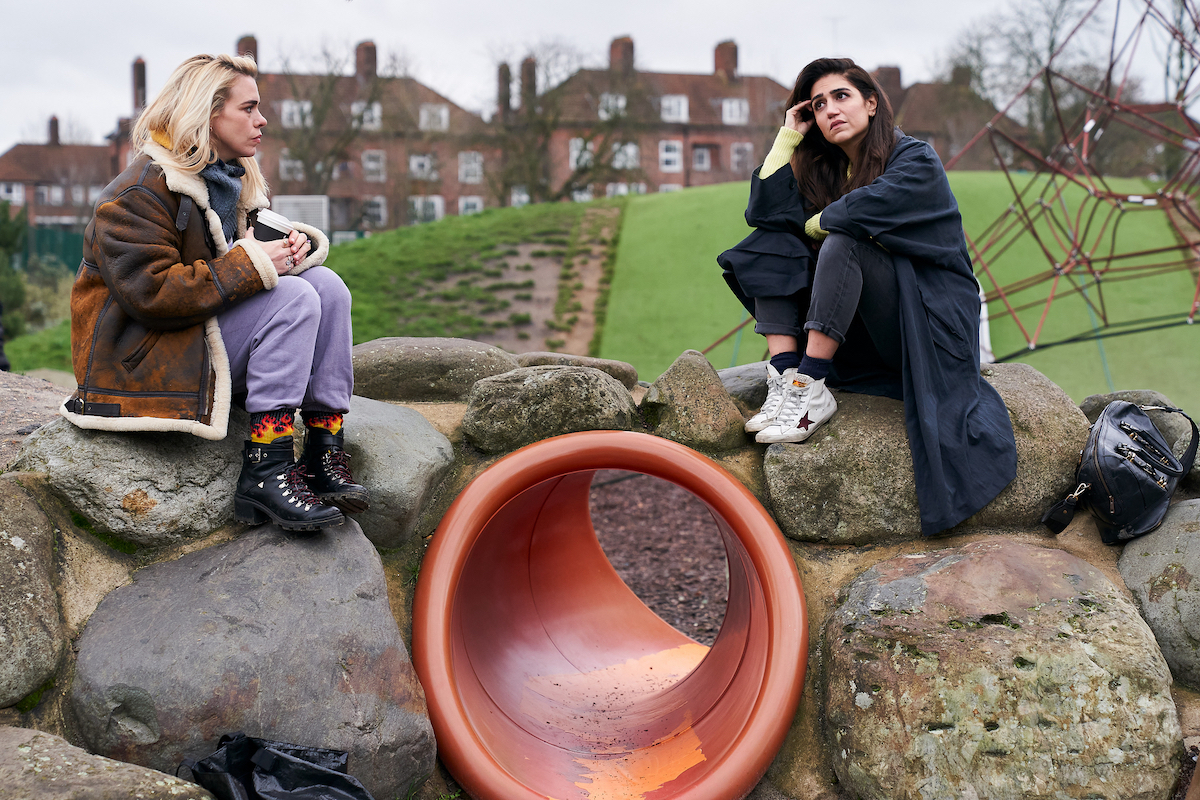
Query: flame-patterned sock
x,y
267,426
322,418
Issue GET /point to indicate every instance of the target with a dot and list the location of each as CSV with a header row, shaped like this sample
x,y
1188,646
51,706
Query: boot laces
x,y
337,464
296,487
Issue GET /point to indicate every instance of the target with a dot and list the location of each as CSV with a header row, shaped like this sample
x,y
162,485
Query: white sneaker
x,y
775,383
806,405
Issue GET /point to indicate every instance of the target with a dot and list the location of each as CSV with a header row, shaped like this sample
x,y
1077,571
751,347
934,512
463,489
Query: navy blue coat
x,y
959,432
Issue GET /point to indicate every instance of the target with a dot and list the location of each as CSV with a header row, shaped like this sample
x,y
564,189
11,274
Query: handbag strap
x,y
1189,455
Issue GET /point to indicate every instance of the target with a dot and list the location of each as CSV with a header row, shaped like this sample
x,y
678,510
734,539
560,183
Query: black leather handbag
x,y
1126,474
245,768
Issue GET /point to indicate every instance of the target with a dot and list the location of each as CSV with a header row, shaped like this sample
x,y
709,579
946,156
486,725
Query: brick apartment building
x,y
622,130
57,184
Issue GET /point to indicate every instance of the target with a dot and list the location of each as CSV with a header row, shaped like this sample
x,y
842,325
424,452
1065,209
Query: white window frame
x,y
741,151
369,116
295,113
670,187
470,166
702,159
49,194
580,154
342,169
434,117
94,193
620,188
374,166
421,167
290,169
421,204
611,105
469,204
626,155
735,111
670,155
13,192
583,195
674,108
519,196
375,211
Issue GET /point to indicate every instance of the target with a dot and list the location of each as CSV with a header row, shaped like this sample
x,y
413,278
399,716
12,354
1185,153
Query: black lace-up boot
x,y
328,466
272,486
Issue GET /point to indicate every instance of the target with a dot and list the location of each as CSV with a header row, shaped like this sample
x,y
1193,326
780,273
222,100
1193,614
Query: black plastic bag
x,y
245,768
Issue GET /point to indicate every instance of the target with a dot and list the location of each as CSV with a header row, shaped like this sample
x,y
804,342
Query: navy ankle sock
x,y
815,368
782,361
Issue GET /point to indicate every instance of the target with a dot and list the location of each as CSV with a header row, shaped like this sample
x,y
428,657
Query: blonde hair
x,y
180,117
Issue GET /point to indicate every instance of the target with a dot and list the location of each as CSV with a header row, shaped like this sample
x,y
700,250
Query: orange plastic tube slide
x,y
546,677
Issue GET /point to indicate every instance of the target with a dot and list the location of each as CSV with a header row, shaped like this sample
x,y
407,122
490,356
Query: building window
x,y
420,167
368,115
94,193
469,205
49,195
13,193
425,208
735,111
470,167
342,169
290,169
374,165
702,159
434,117
375,211
670,155
674,108
741,157
579,154
626,156
78,194
622,188
611,105
519,196
670,187
583,195
296,114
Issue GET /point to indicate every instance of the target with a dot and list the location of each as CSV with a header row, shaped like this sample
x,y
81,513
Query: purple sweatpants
x,y
290,347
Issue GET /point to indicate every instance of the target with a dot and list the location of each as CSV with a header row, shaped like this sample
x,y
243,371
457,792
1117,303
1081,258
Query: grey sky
x,y
72,57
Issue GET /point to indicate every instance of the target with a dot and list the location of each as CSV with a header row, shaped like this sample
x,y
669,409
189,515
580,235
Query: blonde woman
x,y
179,310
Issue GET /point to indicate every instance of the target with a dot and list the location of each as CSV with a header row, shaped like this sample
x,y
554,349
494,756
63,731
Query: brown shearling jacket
x,y
156,272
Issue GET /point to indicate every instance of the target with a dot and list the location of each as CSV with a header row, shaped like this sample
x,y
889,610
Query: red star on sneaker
x,y
804,422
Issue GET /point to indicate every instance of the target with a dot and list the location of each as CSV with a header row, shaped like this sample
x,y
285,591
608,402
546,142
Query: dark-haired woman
x,y
859,278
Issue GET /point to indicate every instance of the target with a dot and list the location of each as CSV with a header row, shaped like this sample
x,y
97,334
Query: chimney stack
x,y
504,93
961,76
248,46
54,131
620,56
139,85
528,85
888,79
725,60
364,62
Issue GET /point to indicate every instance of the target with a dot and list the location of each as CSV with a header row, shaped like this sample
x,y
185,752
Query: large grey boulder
x,y
625,373
40,766
852,482
689,404
1050,430
147,488
746,383
996,670
400,458
283,637
424,368
31,634
529,404
1162,569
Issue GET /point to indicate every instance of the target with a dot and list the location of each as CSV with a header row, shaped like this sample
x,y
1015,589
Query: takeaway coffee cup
x,y
272,226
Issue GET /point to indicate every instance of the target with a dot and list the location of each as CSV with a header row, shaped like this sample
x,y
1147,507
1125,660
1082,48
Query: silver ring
x,y
289,262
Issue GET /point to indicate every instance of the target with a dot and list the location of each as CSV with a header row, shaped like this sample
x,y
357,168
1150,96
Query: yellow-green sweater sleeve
x,y
786,142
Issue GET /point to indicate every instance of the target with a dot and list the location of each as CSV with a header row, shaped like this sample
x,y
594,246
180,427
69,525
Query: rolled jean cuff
x,y
778,328
821,327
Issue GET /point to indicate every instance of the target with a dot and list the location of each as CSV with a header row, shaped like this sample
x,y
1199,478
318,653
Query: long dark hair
x,y
820,166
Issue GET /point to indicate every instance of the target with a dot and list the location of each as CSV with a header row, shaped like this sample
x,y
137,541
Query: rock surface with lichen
x,y
997,669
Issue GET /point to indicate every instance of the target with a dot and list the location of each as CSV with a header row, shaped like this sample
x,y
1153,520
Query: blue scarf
x,y
224,183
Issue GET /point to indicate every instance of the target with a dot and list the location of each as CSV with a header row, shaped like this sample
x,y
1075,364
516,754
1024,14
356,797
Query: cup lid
x,y
277,221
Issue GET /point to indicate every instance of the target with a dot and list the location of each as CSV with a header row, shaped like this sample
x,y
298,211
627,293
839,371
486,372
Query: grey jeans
x,y
290,347
852,276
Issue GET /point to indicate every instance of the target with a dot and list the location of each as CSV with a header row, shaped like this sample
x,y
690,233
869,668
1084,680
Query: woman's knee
x,y
328,285
298,296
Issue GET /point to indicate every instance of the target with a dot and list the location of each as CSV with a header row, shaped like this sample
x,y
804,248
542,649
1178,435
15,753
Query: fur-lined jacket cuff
x,y
260,259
